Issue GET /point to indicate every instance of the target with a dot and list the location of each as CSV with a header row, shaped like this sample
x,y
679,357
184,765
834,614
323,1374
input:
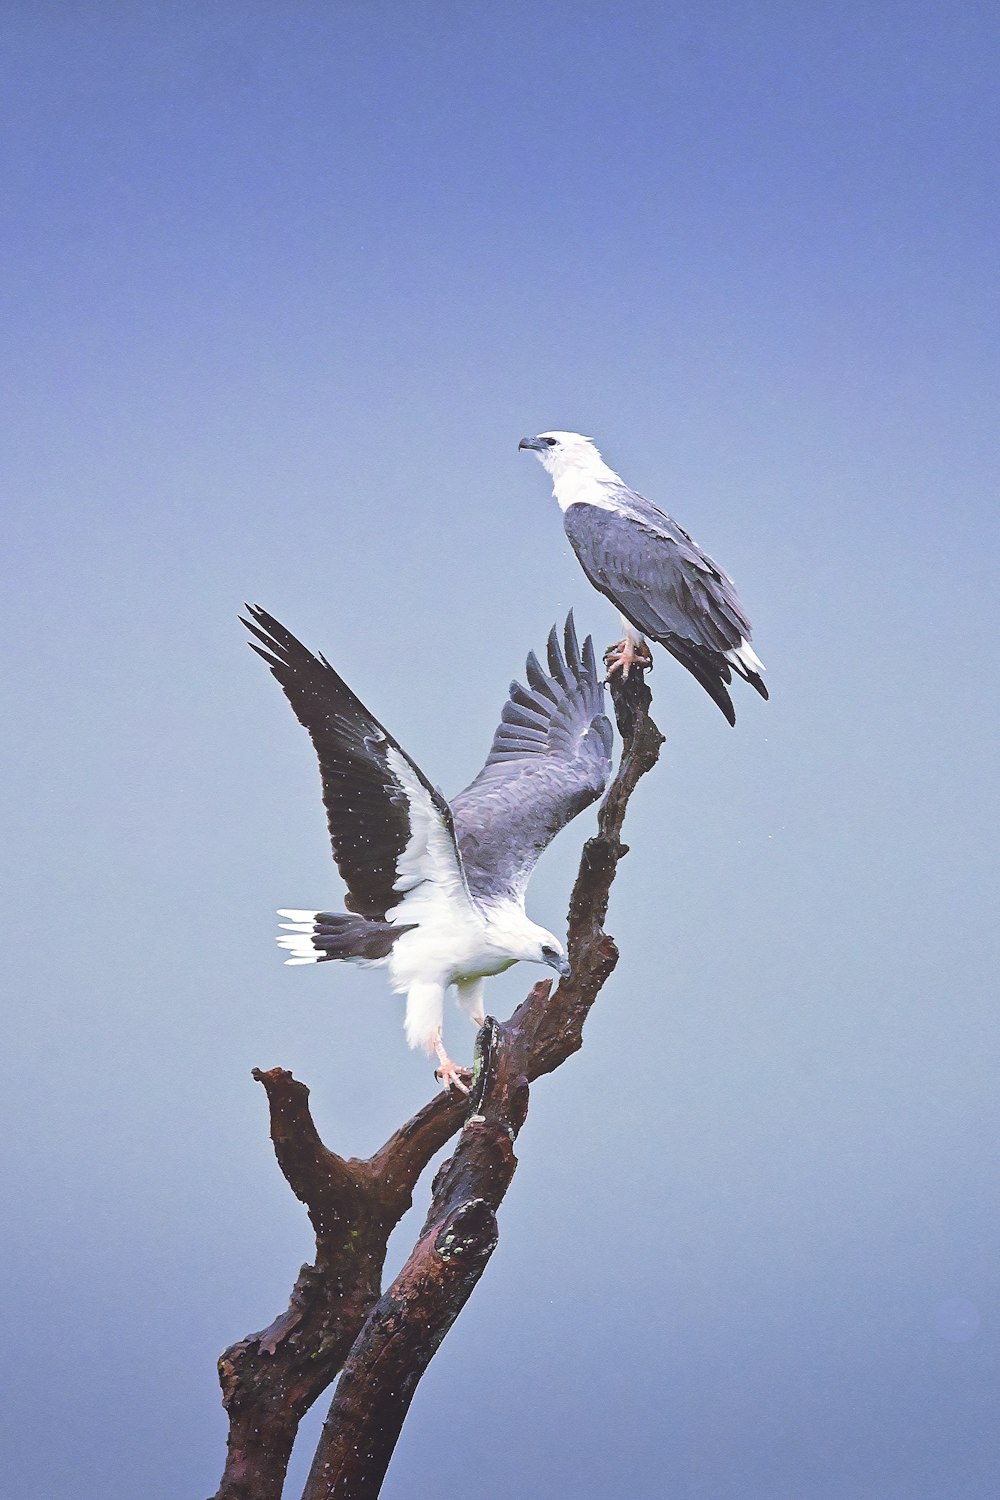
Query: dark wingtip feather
x,y
590,657
288,651
717,692
260,614
261,635
537,679
572,644
556,664
281,635
272,661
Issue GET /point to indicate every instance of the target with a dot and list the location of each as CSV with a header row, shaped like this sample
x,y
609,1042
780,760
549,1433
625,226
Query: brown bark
x,y
337,1319
406,1326
270,1379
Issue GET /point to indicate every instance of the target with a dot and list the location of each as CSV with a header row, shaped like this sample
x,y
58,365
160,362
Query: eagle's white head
x,y
560,451
511,930
550,951
533,945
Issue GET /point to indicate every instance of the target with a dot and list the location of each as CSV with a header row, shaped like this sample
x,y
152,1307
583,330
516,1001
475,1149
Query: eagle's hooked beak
x,y
562,968
535,445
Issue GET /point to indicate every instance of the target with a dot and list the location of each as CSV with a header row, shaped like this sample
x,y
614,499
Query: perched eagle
x,y
664,585
436,892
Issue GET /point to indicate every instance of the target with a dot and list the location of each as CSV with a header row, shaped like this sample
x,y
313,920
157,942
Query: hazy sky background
x,y
284,284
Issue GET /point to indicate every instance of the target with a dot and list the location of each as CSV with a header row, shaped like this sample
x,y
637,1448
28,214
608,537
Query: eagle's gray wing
x,y
550,758
666,587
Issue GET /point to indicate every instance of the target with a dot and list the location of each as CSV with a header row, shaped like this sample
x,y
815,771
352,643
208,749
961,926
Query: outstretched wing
x,y
550,758
391,831
668,588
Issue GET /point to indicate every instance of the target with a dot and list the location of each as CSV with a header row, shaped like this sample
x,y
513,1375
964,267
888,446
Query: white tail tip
x,y
300,946
745,657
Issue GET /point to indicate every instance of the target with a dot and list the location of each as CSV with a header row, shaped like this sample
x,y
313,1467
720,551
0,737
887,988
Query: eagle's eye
x,y
551,442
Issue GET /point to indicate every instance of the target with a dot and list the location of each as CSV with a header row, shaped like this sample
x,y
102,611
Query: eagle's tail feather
x,y
710,669
749,665
312,937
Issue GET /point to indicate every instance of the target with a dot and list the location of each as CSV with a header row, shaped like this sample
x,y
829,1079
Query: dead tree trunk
x,y
338,1319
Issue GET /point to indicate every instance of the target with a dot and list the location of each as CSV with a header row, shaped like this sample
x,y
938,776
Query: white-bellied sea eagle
x,y
436,892
665,587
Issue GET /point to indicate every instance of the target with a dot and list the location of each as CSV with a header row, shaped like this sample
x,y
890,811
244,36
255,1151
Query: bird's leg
x,y
424,1012
631,651
470,998
447,1071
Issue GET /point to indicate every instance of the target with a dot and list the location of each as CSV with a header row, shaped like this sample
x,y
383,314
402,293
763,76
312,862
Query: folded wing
x,y
668,588
550,758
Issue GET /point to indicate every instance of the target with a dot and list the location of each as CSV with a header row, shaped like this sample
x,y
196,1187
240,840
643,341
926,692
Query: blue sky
x,y
284,284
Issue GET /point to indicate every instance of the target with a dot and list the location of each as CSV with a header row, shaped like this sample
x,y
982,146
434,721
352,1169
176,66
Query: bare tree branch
x,y
407,1324
337,1318
270,1379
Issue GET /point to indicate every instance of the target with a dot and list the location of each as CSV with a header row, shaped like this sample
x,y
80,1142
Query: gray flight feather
x,y
550,758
